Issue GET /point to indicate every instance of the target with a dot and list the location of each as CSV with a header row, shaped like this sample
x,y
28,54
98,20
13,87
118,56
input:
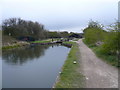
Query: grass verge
x,y
10,47
111,59
43,41
70,76
67,42
15,45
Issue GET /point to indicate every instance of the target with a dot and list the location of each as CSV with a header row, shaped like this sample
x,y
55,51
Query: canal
x,y
33,66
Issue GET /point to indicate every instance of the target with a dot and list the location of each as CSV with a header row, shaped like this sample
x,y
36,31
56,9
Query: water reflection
x,y
19,56
32,67
22,55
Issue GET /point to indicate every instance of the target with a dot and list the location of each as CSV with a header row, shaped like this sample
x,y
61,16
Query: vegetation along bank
x,y
70,77
105,43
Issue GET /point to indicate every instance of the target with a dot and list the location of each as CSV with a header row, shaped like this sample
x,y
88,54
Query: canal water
x,y
32,67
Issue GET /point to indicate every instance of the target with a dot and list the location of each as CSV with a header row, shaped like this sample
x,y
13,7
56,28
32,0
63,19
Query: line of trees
x,y
109,39
19,29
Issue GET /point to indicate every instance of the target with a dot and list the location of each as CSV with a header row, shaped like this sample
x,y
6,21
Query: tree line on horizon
x,y
19,28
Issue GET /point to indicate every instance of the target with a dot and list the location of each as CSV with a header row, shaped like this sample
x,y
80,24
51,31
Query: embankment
x,y
70,77
9,42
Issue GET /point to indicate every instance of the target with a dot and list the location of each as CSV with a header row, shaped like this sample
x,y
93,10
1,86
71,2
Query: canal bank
x,y
9,42
69,76
15,45
12,43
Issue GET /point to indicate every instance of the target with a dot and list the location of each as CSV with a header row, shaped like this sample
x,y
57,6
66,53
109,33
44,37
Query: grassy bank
x,y
67,42
10,47
9,42
111,59
70,76
14,46
42,41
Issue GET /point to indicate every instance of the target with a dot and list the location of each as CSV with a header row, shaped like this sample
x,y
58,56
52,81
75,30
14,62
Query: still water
x,y
32,67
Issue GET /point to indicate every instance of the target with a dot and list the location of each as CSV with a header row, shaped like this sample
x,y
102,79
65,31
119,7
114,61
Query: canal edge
x,y
58,77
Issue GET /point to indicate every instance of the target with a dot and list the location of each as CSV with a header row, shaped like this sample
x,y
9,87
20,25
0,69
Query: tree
x,y
64,34
112,41
93,24
17,27
93,35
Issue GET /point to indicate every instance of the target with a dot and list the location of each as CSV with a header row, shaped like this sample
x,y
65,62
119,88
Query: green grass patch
x,y
70,76
111,59
10,47
43,41
15,45
69,42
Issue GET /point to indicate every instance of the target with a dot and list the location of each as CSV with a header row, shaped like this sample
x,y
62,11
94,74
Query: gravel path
x,y
98,74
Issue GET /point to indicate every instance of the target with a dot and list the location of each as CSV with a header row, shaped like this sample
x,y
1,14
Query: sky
x,y
61,15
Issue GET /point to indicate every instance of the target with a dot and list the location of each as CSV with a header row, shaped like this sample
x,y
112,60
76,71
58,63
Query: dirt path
x,y
98,74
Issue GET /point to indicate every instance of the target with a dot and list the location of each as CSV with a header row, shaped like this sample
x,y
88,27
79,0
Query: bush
x,y
93,35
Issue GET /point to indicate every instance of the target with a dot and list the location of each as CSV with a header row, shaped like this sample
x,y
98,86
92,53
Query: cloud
x,y
73,29
60,14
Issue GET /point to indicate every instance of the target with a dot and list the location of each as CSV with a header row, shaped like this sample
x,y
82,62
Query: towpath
x,y
98,74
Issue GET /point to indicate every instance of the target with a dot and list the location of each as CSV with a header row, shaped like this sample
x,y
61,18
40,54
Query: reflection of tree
x,y
22,55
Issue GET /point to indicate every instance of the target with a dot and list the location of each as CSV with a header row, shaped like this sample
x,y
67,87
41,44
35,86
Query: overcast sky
x,y
61,15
